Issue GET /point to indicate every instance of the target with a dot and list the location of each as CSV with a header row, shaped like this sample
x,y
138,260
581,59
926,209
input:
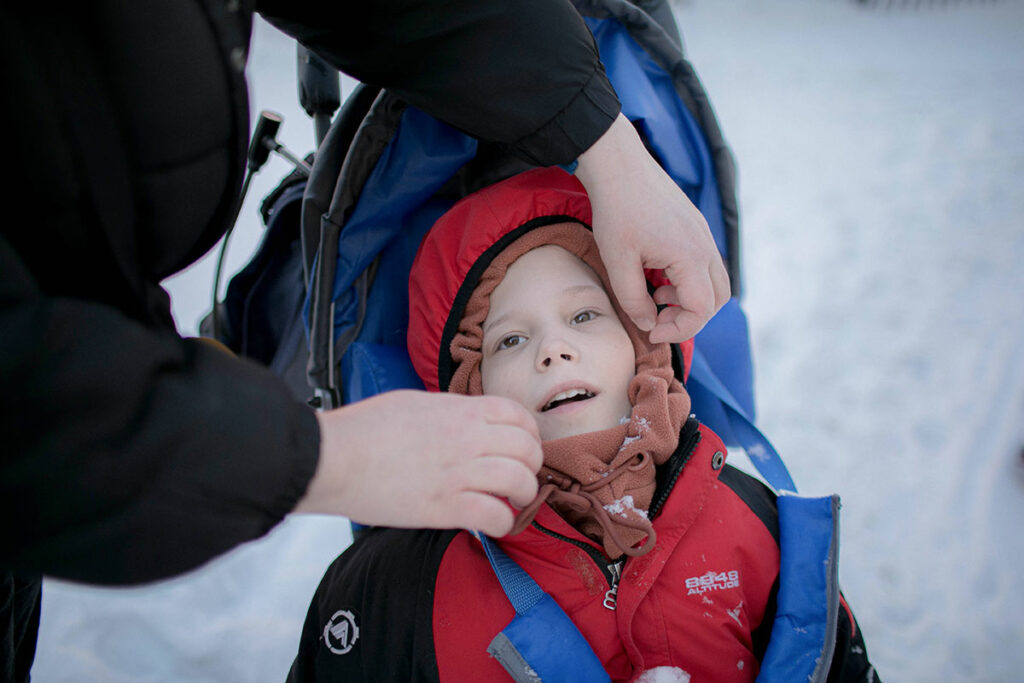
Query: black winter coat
x,y
129,454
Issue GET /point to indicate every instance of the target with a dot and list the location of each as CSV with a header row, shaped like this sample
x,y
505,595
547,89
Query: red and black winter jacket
x,y
424,605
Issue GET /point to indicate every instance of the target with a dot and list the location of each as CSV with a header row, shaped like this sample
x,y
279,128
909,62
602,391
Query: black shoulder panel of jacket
x,y
372,616
758,497
850,662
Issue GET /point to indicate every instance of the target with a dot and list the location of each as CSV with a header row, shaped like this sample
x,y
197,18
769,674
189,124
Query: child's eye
x,y
510,341
583,316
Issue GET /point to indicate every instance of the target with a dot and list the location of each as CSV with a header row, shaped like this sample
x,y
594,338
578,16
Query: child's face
x,y
552,342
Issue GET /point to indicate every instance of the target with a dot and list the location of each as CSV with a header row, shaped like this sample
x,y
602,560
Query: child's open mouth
x,y
568,396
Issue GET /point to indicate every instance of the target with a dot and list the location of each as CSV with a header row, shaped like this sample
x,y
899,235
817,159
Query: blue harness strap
x,y
715,406
718,372
540,643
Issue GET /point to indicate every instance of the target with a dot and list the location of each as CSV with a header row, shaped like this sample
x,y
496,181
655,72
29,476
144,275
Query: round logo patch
x,y
341,632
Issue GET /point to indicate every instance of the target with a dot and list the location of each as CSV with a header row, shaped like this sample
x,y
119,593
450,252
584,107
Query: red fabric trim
x,y
849,615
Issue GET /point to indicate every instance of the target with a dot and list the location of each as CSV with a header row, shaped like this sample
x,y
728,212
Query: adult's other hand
x,y
643,220
416,459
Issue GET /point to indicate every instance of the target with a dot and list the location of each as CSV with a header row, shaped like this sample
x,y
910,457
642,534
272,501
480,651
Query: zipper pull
x,y
611,596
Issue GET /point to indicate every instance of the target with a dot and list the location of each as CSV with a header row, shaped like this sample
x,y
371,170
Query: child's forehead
x,y
545,275
551,263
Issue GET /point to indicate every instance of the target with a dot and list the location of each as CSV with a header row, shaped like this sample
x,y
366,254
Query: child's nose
x,y
555,351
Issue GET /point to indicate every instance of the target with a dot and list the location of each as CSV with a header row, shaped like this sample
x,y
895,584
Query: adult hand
x,y
643,220
413,459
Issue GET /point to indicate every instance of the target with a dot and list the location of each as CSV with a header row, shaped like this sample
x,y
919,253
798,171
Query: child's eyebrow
x,y
500,319
576,290
573,290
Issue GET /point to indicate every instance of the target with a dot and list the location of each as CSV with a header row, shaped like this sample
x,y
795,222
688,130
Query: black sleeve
x,y
128,453
19,624
850,661
372,616
524,73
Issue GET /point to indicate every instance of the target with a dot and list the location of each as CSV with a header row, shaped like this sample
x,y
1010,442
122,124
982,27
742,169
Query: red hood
x,y
461,245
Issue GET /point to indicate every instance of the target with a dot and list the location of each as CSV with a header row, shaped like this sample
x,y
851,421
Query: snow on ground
x,y
881,157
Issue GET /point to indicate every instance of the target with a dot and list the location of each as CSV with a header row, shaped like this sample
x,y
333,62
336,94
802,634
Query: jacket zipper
x,y
687,444
612,570
612,596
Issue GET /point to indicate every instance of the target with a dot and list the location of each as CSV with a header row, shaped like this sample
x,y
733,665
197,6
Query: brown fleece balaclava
x,y
600,482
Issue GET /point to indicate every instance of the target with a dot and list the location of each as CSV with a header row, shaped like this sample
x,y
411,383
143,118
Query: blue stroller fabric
x,y
261,310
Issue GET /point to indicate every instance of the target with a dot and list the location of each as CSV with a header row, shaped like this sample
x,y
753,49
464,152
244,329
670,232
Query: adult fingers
x,y
676,325
499,476
496,410
665,295
504,428
695,304
626,275
506,441
675,321
720,281
480,512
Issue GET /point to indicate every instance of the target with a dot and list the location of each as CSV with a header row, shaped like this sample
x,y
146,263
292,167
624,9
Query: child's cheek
x,y
500,378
